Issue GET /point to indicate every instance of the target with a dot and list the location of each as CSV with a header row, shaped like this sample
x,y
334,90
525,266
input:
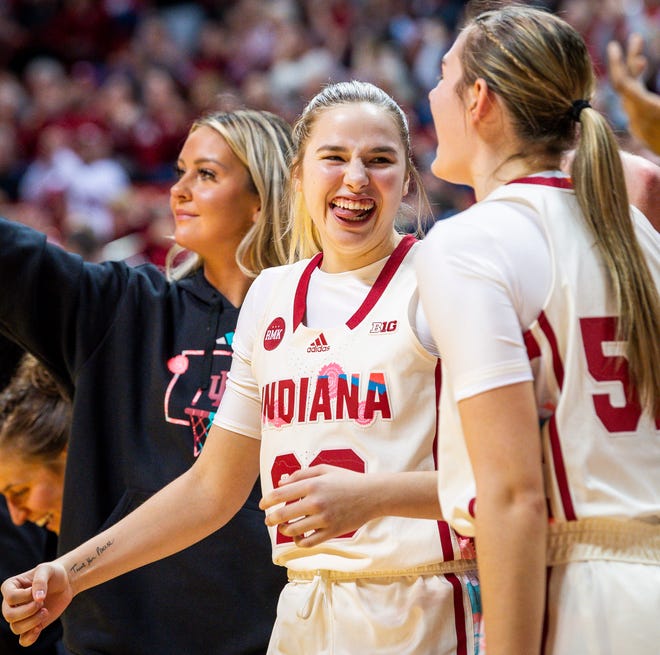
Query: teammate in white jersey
x,y
543,301
331,374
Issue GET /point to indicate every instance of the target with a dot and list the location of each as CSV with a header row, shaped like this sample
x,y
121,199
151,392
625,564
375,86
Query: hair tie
x,y
576,109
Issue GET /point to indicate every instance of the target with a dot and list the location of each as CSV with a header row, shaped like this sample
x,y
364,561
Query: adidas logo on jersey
x,y
319,345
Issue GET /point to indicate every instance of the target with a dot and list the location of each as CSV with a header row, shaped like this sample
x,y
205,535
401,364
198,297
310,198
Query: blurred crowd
x,y
96,96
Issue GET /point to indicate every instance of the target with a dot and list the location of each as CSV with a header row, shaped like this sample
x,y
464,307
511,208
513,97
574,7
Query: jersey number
x,y
285,465
609,368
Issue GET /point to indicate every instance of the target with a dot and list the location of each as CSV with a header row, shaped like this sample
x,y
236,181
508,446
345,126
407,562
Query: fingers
x,y
40,582
310,539
291,488
306,473
28,638
287,504
635,59
28,634
295,518
26,620
20,606
305,507
15,591
289,491
284,514
23,603
615,64
298,527
288,494
625,69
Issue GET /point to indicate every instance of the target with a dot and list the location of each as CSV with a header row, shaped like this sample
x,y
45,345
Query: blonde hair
x,y
305,240
540,68
262,142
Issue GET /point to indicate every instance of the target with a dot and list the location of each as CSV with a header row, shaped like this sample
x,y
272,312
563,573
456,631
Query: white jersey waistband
x,y
603,539
438,568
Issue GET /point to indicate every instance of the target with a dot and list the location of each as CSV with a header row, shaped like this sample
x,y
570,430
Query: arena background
x,y
96,96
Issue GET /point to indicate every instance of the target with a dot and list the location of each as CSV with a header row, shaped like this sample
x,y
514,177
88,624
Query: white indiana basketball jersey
x,y
601,452
362,396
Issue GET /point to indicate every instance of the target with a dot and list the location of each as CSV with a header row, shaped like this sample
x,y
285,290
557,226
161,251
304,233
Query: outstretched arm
x,y
190,508
325,501
641,105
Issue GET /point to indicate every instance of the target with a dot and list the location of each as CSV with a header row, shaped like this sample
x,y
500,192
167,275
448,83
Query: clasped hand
x,y
34,599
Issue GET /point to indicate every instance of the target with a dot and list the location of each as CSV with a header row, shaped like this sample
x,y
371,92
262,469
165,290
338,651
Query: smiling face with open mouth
x,y
353,177
33,491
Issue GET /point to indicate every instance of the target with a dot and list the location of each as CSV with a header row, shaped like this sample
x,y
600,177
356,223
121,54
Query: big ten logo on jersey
x,y
382,327
194,391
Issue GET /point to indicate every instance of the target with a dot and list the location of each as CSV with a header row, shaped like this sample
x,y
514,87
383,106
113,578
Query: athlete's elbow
x,y
526,498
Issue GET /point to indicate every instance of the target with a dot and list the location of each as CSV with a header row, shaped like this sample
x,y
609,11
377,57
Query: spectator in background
x,y
46,178
97,182
48,100
153,46
162,126
269,56
299,66
119,108
77,172
81,30
13,99
183,21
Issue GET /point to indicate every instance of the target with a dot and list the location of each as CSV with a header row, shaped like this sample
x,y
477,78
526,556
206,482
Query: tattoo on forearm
x,y
86,563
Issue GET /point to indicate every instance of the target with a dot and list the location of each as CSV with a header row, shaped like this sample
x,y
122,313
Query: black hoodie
x,y
146,362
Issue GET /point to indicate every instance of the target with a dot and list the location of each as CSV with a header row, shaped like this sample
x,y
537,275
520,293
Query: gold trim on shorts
x,y
439,568
603,539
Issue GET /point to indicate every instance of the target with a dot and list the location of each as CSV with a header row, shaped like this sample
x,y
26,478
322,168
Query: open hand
x,y
640,104
322,502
